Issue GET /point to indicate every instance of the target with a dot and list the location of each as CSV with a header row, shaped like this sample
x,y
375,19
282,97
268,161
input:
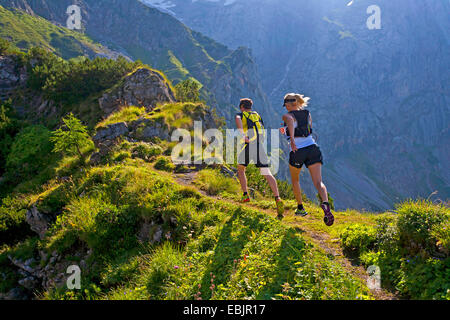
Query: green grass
x,y
26,31
215,183
125,114
248,254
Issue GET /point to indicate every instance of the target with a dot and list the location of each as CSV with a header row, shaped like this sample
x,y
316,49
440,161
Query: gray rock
x,y
142,88
144,129
10,76
15,294
38,221
29,282
111,132
157,235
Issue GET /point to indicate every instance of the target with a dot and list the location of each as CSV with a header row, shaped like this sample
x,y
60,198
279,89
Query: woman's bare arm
x,y
289,120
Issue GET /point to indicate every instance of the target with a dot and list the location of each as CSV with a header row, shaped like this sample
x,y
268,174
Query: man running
x,y
251,127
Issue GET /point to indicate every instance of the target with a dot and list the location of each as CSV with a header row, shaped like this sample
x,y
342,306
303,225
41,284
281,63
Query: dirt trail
x,y
320,239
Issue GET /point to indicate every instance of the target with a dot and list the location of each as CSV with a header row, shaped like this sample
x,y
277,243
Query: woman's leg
x,y
295,178
242,177
316,174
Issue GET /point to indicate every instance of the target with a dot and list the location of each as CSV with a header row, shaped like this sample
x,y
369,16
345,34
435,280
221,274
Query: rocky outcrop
x,y
11,76
45,271
138,130
142,88
38,221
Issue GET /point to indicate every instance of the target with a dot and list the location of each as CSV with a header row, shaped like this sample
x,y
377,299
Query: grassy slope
x,y
207,236
246,252
26,31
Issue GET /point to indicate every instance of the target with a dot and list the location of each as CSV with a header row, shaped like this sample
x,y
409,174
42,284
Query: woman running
x,y
304,150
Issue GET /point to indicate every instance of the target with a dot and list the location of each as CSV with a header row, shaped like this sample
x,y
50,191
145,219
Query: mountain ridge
x,y
108,22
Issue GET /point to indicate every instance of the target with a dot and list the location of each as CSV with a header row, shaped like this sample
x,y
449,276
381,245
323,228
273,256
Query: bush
x,y
358,238
164,163
441,232
416,222
187,91
146,151
13,226
30,152
425,278
69,82
411,249
9,127
4,46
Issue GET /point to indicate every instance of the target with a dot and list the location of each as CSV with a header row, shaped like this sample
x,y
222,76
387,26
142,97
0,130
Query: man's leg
x,y
242,177
271,181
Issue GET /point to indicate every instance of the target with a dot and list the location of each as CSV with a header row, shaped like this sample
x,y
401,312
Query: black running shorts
x,y
308,156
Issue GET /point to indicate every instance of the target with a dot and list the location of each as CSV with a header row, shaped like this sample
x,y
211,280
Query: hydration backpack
x,y
253,124
304,128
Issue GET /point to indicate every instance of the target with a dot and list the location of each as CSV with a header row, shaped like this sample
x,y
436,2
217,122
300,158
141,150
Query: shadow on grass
x,y
290,251
229,247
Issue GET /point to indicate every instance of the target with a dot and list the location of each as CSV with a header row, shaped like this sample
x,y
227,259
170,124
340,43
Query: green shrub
x,y
164,163
73,138
412,250
358,238
30,152
441,232
4,46
121,156
13,226
69,82
146,151
416,221
188,91
9,127
425,278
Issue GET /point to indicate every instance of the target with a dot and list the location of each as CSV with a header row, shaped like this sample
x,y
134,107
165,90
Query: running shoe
x,y
328,218
300,213
245,198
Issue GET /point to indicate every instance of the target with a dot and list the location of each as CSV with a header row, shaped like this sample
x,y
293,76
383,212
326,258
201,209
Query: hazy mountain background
x,y
379,97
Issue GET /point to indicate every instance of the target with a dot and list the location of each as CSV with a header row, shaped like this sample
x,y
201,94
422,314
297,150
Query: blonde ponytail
x,y
302,100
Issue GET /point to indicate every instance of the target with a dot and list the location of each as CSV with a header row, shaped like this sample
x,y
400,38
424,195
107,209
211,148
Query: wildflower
x,y
175,267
